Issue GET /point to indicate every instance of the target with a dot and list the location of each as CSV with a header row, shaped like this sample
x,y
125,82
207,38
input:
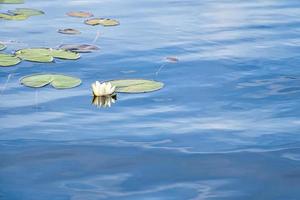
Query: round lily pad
x,y
58,81
69,31
7,60
136,85
36,80
11,16
2,46
79,48
102,21
45,54
80,14
11,1
35,55
27,12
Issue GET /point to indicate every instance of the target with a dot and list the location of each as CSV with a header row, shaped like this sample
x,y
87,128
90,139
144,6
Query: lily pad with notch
x,y
58,81
7,60
79,48
101,21
136,85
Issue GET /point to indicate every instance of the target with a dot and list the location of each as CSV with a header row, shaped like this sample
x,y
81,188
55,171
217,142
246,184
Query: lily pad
x,y
2,46
80,14
11,1
136,85
26,11
35,55
10,16
79,48
36,80
7,60
63,54
102,21
58,81
69,31
172,59
46,54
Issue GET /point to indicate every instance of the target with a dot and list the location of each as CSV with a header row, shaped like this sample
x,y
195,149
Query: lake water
x,y
225,126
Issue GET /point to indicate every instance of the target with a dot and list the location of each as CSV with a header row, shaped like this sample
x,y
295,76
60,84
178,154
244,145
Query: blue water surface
x,y
225,126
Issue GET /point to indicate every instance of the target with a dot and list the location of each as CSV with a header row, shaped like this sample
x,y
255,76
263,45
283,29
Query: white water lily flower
x,y
102,89
104,101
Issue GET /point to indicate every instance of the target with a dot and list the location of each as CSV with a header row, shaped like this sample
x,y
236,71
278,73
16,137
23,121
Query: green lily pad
x,y
69,31
136,85
79,48
102,21
2,46
46,54
80,14
27,12
35,55
58,81
63,54
37,80
11,1
7,60
64,82
10,16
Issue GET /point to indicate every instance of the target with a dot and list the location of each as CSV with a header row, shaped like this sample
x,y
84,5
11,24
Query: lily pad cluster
x,y
20,14
93,21
43,55
69,52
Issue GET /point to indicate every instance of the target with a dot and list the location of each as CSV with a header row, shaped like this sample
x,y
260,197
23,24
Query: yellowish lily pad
x,y
80,14
136,85
58,81
102,21
12,16
7,60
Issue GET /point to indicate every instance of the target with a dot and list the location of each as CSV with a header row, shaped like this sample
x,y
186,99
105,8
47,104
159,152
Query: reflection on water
x,y
104,101
225,126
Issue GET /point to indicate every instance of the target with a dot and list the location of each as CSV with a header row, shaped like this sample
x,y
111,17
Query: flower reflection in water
x,y
104,101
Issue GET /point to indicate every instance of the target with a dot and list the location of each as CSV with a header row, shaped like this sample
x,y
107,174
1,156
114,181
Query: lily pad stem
x,y
6,82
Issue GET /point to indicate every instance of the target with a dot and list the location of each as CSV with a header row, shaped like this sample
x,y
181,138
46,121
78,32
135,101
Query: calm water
x,y
226,125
